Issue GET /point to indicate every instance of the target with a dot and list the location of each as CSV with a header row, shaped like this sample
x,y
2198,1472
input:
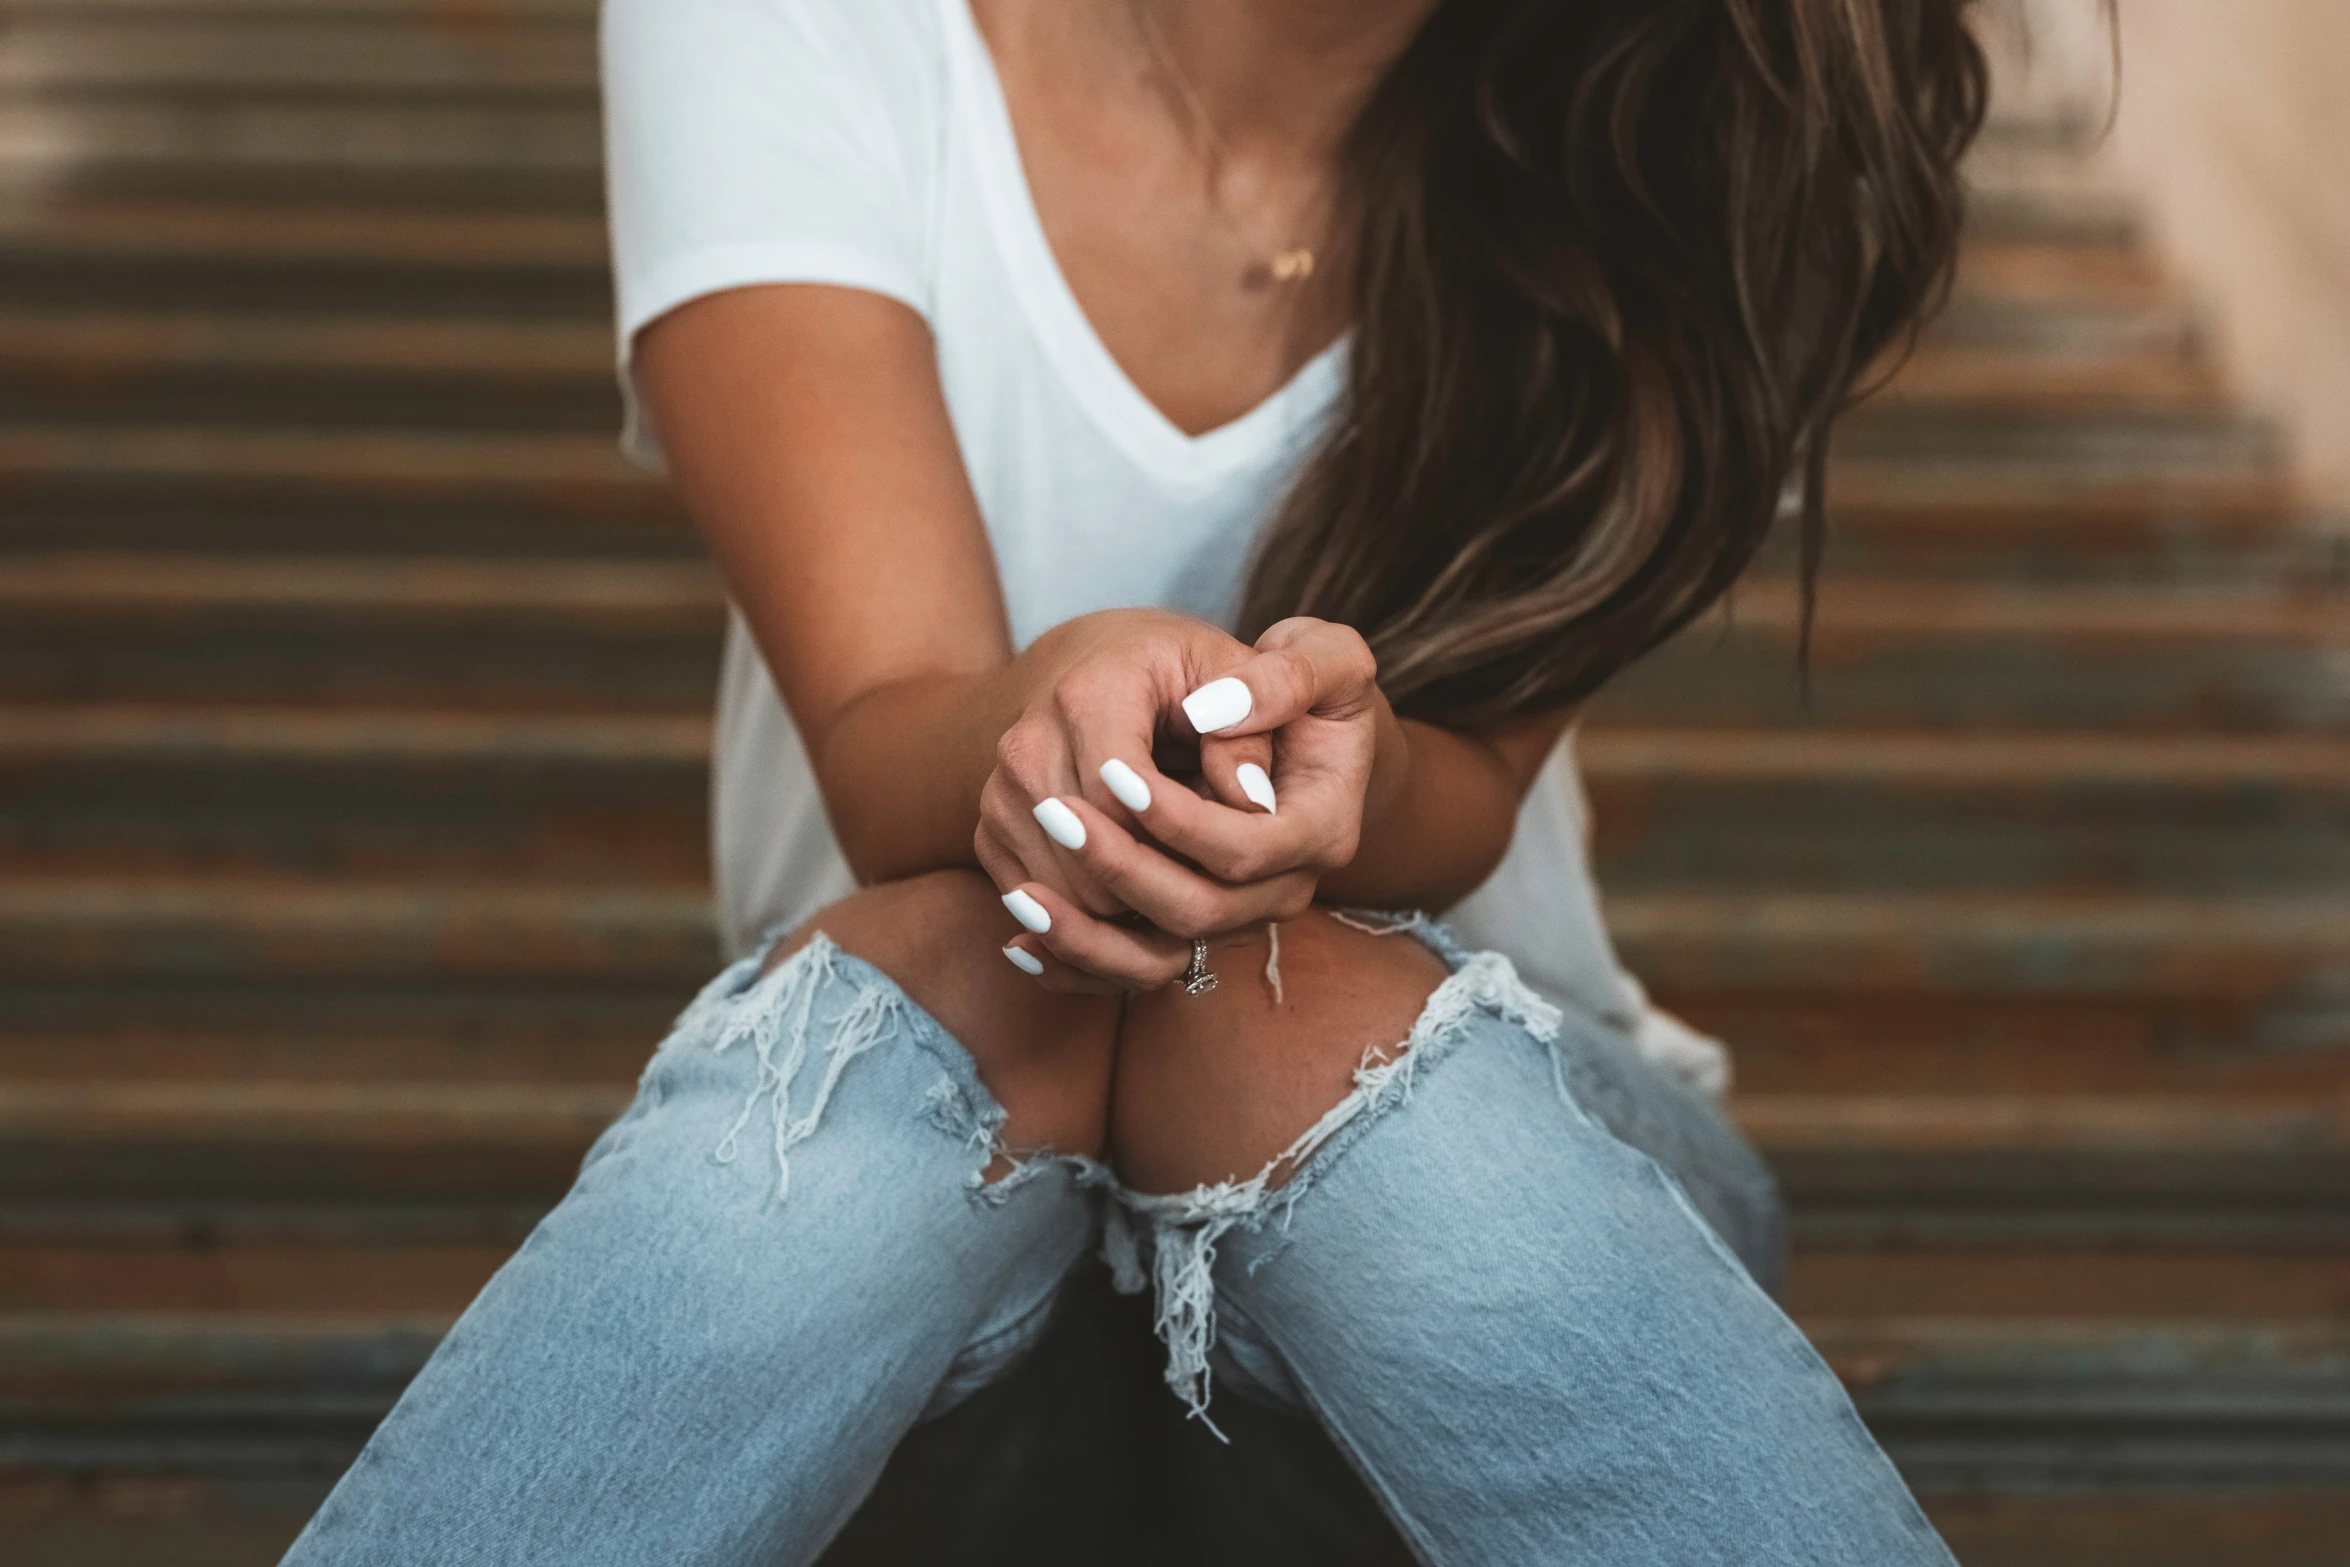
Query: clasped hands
x,y
1167,782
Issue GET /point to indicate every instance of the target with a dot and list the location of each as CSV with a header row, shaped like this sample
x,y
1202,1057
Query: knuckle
x,y
1195,915
1016,749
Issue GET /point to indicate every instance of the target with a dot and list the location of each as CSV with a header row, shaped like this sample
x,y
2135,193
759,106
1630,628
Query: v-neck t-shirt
x,y
867,144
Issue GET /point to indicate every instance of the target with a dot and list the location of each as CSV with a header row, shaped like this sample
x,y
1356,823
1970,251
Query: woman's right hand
x,y
1107,910
1080,815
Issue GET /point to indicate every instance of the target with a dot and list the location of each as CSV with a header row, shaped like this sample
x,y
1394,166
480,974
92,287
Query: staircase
x,y
353,708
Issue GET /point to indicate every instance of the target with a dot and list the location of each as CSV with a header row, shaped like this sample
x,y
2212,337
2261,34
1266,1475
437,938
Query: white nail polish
x,y
1127,785
1028,911
1060,824
1218,705
1255,784
1025,962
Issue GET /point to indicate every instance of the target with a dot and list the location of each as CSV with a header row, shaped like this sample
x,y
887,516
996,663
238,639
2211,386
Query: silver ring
x,y
1197,981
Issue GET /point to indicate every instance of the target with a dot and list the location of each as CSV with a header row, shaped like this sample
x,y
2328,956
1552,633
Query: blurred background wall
x,y
2233,129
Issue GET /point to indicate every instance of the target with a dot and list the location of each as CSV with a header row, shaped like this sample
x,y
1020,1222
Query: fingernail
x,y
1218,705
1127,785
1255,784
1025,962
1028,911
1060,824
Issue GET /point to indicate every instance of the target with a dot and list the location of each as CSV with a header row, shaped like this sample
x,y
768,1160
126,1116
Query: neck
x,y
1282,76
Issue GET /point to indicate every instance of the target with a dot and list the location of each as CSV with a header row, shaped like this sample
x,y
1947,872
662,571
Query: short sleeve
x,y
763,141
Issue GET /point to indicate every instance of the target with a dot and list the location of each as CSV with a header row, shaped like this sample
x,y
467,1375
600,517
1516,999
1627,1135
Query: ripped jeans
x,y
1505,1276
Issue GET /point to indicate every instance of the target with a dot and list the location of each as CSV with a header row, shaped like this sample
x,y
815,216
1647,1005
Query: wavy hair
x,y
1618,265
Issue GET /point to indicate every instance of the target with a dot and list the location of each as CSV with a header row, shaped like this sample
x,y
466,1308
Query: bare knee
x,y
1215,1087
1045,1057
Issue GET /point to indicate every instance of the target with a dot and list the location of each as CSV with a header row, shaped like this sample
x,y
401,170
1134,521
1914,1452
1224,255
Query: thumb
x,y
1301,666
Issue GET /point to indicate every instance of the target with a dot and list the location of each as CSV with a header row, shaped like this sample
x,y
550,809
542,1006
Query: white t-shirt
x,y
866,143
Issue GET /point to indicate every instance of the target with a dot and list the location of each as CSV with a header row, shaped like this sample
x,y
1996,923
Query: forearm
x,y
1440,816
901,767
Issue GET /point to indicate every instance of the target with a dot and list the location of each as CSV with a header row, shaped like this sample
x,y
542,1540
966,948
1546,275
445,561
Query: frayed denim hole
x,y
775,1017
1187,1227
974,1118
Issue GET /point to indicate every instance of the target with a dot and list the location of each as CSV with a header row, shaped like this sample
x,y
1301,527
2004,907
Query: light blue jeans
x,y
1505,1277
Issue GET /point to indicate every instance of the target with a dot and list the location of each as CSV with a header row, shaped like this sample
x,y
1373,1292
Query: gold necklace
x,y
1292,264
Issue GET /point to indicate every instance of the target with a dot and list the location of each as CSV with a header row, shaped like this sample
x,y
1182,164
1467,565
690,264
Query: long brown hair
x,y
1619,265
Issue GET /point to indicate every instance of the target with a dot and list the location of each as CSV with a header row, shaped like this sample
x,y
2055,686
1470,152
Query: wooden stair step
x,y
1923,653
482,374
1984,383
1828,1036
479,151
616,595
2099,279
106,345
2043,443
163,790
194,456
1924,945
528,634
1967,1405
182,488
2210,1524
179,252
258,53
217,929
1790,809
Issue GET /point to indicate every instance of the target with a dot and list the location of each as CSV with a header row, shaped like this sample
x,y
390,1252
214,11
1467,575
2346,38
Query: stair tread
x,y
138,582
257,53
381,457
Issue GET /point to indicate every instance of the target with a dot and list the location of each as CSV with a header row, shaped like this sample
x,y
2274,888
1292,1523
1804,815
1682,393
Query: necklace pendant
x,y
1293,266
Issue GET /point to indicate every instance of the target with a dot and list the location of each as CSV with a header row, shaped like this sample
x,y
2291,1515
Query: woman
x,y
1012,356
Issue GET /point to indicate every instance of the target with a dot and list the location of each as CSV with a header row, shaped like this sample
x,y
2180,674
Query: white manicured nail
x,y
1218,705
1028,911
1060,824
1255,784
1127,785
1025,962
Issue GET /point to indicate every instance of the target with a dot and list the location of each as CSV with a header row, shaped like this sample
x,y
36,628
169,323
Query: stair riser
x,y
62,278
481,519
600,526
2050,835
370,818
